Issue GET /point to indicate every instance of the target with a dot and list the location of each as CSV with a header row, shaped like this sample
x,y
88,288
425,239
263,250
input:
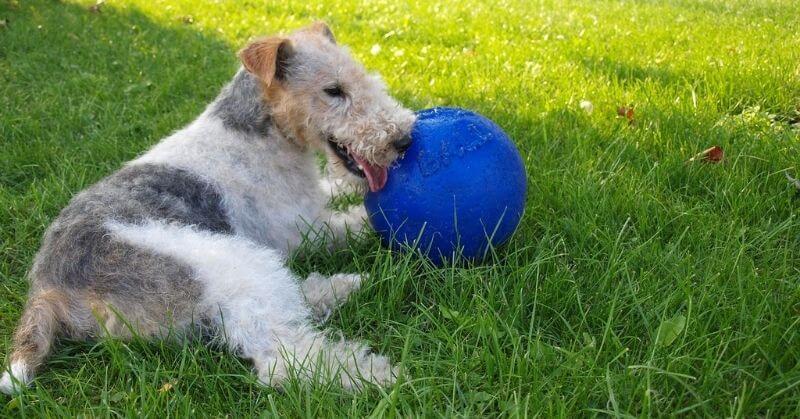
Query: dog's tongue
x,y
376,175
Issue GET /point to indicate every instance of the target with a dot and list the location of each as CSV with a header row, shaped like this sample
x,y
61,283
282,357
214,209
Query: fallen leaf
x,y
187,20
626,112
714,154
709,155
669,330
166,387
95,8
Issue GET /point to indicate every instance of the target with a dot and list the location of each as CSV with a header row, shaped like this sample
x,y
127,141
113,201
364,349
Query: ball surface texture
x,y
459,187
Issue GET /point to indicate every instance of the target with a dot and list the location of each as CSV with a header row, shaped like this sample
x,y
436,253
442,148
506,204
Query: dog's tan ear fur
x,y
323,29
267,58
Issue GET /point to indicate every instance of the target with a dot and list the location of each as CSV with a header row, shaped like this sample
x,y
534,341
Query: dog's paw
x,y
324,294
345,284
372,368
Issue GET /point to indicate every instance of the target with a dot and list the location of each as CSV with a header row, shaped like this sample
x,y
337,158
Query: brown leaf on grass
x,y
714,154
95,8
709,155
166,387
626,112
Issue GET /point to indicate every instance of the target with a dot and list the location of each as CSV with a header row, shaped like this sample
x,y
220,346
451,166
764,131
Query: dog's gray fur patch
x,y
240,106
78,252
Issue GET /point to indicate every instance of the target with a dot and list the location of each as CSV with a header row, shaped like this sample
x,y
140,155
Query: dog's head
x,y
321,97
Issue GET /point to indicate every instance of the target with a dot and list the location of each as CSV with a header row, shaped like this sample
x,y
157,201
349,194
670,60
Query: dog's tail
x,y
33,339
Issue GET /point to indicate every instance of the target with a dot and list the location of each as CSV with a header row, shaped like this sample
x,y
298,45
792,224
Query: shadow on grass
x,y
91,89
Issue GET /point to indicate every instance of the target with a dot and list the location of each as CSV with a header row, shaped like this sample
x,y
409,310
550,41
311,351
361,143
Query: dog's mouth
x,y
376,175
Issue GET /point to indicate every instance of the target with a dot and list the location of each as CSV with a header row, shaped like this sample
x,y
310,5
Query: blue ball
x,y
459,187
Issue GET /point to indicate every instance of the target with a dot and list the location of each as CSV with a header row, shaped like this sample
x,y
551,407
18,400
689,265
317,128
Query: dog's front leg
x,y
353,220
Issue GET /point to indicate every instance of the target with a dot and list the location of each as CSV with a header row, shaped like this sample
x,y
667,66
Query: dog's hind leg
x,y
258,306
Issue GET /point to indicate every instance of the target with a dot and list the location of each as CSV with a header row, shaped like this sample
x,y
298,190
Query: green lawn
x,y
637,284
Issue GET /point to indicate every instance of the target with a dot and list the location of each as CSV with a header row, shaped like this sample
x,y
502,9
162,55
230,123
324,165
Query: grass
x,y
637,284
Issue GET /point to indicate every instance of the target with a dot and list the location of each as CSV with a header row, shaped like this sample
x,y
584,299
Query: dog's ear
x,y
268,58
323,29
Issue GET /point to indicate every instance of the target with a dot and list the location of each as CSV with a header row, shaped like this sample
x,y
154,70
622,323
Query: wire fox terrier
x,y
194,231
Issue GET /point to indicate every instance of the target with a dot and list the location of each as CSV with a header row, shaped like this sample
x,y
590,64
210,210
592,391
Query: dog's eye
x,y
334,91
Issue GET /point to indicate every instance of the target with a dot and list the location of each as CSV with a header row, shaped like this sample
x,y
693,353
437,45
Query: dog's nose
x,y
402,144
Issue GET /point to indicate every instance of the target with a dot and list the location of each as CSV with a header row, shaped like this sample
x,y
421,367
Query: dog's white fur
x,y
273,194
16,378
260,306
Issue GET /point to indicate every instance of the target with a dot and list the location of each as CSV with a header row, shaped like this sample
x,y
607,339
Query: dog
x,y
194,233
